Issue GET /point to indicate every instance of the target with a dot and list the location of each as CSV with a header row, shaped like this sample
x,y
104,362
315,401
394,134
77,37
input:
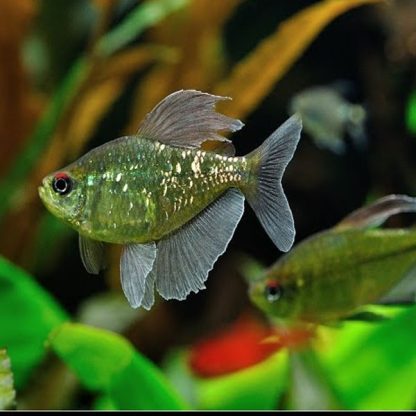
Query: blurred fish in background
x,y
327,117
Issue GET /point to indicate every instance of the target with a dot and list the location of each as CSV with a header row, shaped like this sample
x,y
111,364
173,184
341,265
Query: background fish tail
x,y
264,191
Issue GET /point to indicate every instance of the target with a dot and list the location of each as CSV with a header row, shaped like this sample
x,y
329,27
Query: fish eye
x,y
273,291
62,183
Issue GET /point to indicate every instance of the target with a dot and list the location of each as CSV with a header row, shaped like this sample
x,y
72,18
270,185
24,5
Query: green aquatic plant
x,y
106,363
27,316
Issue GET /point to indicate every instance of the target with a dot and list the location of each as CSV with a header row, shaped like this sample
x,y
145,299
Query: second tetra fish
x,y
333,275
173,206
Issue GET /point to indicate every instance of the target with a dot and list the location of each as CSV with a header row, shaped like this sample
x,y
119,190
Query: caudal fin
x,y
265,193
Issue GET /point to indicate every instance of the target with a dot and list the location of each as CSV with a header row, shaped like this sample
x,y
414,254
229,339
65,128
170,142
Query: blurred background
x,y
76,74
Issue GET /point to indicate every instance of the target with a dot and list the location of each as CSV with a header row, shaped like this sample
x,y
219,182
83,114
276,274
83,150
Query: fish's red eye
x,y
62,183
273,291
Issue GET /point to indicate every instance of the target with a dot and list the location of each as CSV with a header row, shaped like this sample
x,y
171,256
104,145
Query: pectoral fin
x,y
185,257
136,262
187,118
379,211
92,254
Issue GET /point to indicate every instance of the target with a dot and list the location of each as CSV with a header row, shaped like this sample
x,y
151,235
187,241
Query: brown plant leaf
x,y
19,106
253,77
202,62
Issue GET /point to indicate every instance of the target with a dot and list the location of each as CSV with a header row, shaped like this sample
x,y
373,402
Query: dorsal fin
x,y
187,118
379,211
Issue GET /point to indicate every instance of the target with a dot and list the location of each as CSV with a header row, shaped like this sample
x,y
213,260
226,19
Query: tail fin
x,y
265,194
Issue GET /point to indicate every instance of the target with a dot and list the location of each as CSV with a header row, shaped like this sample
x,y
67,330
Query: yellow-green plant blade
x,y
144,16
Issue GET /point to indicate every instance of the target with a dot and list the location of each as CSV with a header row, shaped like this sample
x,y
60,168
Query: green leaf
x,y
373,365
256,388
108,363
27,315
7,392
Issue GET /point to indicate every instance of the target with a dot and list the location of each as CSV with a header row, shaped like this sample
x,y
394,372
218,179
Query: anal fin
x,y
186,256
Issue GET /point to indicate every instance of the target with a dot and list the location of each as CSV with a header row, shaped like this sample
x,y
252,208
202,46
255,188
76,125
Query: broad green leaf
x,y
27,315
256,388
255,75
7,392
373,365
107,363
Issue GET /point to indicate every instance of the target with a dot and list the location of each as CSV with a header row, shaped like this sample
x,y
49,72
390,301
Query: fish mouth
x,y
42,189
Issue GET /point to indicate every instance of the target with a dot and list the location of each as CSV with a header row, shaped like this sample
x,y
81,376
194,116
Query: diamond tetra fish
x,y
173,206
